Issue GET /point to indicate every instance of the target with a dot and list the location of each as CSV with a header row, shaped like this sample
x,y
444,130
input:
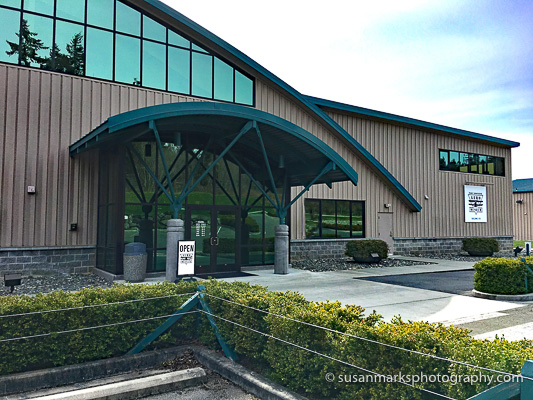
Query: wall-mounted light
x,y
426,197
519,201
31,189
387,205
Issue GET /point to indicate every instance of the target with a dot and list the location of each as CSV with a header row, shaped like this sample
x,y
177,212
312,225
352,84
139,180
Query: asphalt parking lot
x,y
454,282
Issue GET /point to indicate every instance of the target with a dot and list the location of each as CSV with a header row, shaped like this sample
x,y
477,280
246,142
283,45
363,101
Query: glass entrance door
x,y
215,229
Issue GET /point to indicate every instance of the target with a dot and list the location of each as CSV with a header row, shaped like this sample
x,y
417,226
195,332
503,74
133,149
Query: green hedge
x,y
502,276
364,248
480,244
295,368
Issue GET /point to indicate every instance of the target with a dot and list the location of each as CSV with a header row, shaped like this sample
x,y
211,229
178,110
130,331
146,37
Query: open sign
x,y
186,252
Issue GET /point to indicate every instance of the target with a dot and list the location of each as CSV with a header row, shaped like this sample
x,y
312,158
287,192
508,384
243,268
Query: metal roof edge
x,y
410,121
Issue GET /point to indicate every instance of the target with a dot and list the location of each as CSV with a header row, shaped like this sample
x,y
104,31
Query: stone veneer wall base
x,y
48,260
334,248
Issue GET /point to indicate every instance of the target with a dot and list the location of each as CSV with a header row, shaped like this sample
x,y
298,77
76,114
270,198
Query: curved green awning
x,y
303,156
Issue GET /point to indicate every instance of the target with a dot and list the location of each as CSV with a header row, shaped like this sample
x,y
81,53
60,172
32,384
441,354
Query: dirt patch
x,y
181,362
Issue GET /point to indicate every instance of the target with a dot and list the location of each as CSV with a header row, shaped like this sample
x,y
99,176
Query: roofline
x,y
411,121
523,191
403,194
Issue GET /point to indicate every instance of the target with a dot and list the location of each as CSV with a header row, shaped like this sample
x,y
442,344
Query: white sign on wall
x,y
475,203
186,251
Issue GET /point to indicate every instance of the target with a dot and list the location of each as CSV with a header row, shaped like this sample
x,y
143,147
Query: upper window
x,y
109,39
334,219
472,163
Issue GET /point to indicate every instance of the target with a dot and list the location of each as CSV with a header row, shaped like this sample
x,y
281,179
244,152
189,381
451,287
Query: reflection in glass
x,y
357,219
37,38
202,75
40,6
312,218
71,10
223,81
179,70
244,89
68,51
198,48
11,26
101,13
128,20
178,40
127,52
225,232
154,30
99,54
343,219
154,62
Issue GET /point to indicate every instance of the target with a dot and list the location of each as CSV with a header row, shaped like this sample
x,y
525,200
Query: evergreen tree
x,y
75,55
28,47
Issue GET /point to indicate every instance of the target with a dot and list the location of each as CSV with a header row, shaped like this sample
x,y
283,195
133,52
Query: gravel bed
x,y
337,264
46,284
465,257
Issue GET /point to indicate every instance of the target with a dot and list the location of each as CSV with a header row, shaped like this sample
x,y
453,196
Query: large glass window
x,y
128,20
101,13
223,81
99,53
334,219
10,24
154,62
179,70
40,6
202,75
36,40
71,10
111,40
154,30
469,162
69,49
127,62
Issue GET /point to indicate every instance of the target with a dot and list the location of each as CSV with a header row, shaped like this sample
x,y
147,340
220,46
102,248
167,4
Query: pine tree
x,y
75,55
28,47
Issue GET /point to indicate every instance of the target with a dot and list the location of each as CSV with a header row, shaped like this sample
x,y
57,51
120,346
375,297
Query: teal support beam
x,y
504,391
227,350
236,160
186,307
329,167
244,130
526,388
267,164
198,301
153,127
154,177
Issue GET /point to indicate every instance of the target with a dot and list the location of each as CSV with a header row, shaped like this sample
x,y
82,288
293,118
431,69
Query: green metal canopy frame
x,y
256,141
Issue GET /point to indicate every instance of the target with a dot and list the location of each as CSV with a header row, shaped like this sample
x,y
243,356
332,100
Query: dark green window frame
x,y
322,226
459,161
242,89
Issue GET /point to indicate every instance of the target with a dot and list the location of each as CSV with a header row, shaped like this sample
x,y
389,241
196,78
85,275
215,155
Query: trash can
x,y
135,259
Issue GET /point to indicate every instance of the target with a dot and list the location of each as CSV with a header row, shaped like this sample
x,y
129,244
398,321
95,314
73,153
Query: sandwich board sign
x,y
475,203
186,252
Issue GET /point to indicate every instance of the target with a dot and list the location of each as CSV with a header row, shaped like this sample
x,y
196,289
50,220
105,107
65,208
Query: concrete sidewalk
x,y
387,299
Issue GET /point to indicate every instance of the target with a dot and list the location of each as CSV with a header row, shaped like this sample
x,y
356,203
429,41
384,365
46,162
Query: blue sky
x,y
465,64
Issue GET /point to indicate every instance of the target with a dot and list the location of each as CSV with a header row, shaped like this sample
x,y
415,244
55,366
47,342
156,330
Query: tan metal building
x,y
523,209
104,103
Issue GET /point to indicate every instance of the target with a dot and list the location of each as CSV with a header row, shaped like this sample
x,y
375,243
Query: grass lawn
x,y
520,242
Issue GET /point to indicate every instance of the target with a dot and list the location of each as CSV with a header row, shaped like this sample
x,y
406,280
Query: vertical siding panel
x,y
19,151
9,162
3,152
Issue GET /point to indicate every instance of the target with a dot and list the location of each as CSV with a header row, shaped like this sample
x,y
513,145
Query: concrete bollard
x,y
281,250
175,233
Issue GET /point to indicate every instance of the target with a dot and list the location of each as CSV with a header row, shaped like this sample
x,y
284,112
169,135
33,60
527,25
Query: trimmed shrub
x,y
364,248
481,245
502,276
293,367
